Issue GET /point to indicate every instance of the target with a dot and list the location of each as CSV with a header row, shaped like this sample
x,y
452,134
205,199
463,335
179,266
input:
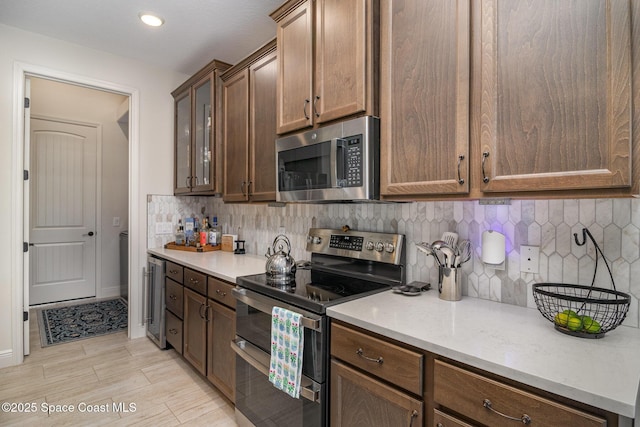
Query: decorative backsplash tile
x,y
549,224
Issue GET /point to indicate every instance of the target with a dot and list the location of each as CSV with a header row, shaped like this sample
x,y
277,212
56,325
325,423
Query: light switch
x,y
116,221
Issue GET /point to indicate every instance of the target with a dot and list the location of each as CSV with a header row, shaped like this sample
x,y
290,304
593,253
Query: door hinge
x,y
25,175
27,101
25,316
25,246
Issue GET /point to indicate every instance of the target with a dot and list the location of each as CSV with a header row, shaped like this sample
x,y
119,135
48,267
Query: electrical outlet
x,y
163,228
529,259
116,221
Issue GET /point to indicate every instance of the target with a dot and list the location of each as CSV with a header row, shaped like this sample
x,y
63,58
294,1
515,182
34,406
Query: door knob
x,y
89,234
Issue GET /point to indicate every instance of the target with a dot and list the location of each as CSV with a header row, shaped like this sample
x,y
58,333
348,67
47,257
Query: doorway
x,y
77,195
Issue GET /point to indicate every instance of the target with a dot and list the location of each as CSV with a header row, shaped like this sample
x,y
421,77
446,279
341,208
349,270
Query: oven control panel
x,y
381,247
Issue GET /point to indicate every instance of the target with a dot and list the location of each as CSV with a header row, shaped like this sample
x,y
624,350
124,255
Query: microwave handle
x,y
338,161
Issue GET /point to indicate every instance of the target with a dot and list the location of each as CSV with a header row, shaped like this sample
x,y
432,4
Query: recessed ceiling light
x,y
151,20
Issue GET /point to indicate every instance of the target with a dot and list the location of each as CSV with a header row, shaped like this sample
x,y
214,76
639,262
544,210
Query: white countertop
x,y
223,265
514,342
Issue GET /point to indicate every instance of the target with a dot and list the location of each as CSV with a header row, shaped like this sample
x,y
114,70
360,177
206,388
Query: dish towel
x,y
287,344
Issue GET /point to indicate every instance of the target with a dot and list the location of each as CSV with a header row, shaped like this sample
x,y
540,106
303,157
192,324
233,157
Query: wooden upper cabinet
x,y
197,102
249,123
262,130
295,76
327,61
424,97
555,95
236,137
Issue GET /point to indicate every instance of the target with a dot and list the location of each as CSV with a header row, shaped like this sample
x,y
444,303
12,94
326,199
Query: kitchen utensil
x,y
463,253
280,264
437,247
451,238
427,249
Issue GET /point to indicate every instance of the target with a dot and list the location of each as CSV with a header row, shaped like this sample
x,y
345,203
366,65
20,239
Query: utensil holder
x,y
449,286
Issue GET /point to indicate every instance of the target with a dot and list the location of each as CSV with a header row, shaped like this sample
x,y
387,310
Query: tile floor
x,y
102,376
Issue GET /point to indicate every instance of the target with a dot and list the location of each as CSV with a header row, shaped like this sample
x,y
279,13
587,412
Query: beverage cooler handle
x,y
145,284
151,293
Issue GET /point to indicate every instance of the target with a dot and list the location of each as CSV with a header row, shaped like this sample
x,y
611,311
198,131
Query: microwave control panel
x,y
353,161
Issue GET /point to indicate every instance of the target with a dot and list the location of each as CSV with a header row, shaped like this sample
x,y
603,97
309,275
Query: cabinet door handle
x,y
242,187
219,292
249,188
315,109
485,178
360,353
414,414
173,297
524,419
187,182
173,271
196,180
304,109
460,179
173,331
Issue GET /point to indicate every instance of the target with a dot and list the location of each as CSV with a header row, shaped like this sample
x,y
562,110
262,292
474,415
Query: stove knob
x,y
316,240
369,245
379,247
389,247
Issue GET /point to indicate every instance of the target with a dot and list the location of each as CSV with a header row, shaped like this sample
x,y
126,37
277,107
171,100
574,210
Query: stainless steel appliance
x,y
154,301
344,265
333,163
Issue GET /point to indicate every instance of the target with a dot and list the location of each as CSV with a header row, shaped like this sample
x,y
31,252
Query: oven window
x,y
264,406
305,168
255,327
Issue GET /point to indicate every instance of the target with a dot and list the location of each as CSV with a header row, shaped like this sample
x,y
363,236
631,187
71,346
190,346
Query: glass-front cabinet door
x,y
183,156
202,135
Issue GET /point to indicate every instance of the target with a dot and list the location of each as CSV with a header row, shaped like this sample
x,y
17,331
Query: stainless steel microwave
x,y
339,162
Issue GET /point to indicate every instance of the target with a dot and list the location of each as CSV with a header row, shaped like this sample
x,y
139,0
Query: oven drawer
x,y
490,402
221,291
174,297
174,331
383,359
174,271
196,281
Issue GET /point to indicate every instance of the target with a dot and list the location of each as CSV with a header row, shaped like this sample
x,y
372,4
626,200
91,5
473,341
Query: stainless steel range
x,y
345,265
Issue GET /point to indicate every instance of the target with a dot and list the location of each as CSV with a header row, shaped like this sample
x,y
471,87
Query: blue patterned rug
x,y
65,324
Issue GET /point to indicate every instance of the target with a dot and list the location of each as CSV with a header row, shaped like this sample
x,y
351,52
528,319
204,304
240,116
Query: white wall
x,y
76,103
153,87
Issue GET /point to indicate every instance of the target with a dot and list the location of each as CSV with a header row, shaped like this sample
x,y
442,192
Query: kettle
x,y
280,264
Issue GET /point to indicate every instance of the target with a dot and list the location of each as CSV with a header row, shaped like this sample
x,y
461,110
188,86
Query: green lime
x,y
589,325
570,312
562,319
574,323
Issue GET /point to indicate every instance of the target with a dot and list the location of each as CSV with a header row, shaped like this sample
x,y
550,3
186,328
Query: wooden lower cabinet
x,y
173,330
221,361
490,402
360,400
195,330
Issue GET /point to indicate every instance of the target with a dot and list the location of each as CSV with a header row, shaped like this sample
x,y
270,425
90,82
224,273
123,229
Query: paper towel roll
x,y
493,247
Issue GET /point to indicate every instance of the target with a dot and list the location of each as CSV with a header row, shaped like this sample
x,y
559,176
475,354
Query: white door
x,y
25,232
63,211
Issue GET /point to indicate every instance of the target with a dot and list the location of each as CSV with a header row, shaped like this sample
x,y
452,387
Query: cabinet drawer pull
x,y
173,297
360,353
173,271
524,419
173,331
194,281
460,179
219,292
439,425
485,178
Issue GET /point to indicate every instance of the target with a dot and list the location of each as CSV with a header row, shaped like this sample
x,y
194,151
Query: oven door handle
x,y
266,305
260,361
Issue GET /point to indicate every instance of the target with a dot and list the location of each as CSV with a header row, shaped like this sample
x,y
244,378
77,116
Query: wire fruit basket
x,y
583,311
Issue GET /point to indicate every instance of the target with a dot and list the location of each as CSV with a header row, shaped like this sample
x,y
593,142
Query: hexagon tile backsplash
x,y
548,224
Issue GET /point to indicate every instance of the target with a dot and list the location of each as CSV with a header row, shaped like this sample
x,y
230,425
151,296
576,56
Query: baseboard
x,y
109,292
6,359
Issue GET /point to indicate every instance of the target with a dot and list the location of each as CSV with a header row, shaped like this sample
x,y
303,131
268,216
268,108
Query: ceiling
x,y
194,33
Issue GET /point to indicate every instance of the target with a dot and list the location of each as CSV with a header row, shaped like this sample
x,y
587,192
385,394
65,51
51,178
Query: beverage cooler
x,y
154,301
